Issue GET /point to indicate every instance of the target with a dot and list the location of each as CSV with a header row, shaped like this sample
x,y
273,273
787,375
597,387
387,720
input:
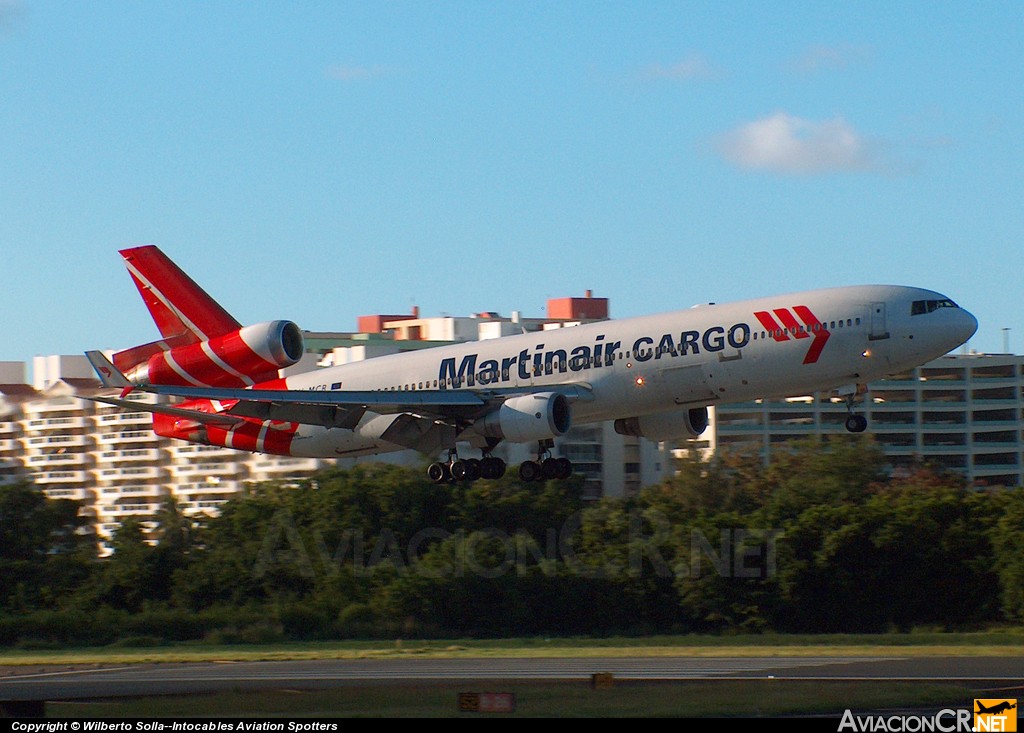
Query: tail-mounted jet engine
x,y
235,359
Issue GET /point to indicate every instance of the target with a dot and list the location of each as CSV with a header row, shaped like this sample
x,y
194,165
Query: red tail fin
x,y
181,309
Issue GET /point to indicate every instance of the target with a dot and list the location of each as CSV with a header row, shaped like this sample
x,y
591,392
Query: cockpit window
x,y
927,306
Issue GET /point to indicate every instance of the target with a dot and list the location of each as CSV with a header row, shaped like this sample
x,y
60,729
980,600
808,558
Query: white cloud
x,y
783,143
693,67
819,57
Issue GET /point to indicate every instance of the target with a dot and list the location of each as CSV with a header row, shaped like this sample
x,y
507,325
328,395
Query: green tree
x,y
1007,535
915,553
45,548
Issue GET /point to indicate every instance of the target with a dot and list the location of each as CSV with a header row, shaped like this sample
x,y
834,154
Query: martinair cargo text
x,y
655,376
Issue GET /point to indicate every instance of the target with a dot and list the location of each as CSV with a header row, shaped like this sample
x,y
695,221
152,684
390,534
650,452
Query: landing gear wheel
x,y
473,471
491,467
856,423
530,471
564,468
459,470
438,473
550,468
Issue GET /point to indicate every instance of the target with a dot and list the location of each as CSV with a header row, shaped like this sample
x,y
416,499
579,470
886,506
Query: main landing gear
x,y
546,467
469,469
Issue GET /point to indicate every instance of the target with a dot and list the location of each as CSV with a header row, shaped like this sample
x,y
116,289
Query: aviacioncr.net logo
x,y
995,714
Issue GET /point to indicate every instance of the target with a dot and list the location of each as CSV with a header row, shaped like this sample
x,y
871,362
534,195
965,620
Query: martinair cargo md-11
x,y
655,376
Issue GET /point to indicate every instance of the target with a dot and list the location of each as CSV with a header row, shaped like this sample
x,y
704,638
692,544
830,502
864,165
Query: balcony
x,y
70,441
58,423
206,469
113,493
193,452
285,465
57,459
122,418
139,473
132,437
213,488
134,455
127,510
62,404
75,494
59,477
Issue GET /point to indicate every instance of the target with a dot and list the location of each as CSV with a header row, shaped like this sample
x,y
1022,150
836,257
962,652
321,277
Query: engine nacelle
x,y
250,354
665,425
529,417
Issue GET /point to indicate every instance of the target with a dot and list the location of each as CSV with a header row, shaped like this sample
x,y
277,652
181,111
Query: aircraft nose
x,y
966,325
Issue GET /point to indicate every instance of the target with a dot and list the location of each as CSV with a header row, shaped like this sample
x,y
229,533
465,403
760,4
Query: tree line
x,y
824,538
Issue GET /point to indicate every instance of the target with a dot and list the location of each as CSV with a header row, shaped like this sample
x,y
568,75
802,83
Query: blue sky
x,y
321,160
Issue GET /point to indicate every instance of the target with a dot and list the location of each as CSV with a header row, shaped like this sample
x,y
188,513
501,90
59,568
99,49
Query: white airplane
x,y
655,376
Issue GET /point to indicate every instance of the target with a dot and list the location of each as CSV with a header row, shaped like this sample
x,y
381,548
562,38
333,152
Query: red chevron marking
x,y
771,326
790,323
817,329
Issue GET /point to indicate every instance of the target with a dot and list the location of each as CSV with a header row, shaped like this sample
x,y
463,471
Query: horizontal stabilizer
x,y
110,375
179,412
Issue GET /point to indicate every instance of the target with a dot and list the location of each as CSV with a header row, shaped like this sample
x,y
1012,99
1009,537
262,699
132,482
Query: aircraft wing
x,y
330,408
344,408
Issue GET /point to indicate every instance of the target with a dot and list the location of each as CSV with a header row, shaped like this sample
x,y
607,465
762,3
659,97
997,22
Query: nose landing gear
x,y
854,423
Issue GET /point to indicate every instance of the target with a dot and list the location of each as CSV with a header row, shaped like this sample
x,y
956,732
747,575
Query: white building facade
x,y
961,412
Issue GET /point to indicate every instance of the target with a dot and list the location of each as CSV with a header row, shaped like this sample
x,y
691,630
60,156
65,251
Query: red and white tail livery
x,y
202,345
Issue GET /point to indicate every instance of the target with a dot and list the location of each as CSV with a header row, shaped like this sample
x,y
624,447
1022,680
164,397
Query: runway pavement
x,y
163,679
